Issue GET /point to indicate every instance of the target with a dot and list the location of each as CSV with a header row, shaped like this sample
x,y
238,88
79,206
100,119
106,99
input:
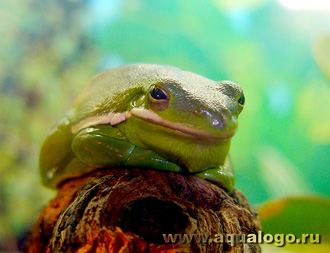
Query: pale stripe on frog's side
x,y
148,116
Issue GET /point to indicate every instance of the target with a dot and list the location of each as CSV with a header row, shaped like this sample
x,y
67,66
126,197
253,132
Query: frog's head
x,y
190,104
184,117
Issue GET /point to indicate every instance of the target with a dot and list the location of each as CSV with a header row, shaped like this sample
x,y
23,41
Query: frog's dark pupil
x,y
157,93
241,99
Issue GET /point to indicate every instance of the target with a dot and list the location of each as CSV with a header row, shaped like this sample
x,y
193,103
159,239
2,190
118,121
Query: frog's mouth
x,y
152,117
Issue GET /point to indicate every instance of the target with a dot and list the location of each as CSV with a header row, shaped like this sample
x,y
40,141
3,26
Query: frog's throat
x,y
150,116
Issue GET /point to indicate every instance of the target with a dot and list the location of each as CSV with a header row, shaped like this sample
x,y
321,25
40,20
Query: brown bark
x,y
130,210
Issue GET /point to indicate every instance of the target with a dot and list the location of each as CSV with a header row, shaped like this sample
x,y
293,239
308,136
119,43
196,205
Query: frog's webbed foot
x,y
141,157
222,176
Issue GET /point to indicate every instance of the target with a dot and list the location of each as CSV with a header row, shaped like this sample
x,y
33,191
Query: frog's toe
x,y
218,176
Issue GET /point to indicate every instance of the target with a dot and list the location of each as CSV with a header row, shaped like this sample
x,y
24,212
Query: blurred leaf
x,y
321,52
296,248
297,215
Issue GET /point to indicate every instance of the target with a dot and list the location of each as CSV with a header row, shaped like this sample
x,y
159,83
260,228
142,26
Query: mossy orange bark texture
x,y
129,210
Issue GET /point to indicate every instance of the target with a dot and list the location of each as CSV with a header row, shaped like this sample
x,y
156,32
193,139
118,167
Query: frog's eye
x,y
158,93
241,99
158,98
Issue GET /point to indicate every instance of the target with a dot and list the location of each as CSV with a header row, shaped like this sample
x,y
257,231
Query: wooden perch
x,y
130,210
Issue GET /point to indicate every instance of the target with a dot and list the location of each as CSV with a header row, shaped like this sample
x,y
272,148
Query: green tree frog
x,y
146,115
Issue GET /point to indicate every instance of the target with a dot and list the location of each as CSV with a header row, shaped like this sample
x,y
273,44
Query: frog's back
x,y
111,89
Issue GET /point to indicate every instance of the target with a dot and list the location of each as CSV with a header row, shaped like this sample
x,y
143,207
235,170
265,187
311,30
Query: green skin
x,y
119,121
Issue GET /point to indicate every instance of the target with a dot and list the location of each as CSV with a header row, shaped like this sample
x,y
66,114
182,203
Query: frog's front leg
x,y
101,146
92,148
223,176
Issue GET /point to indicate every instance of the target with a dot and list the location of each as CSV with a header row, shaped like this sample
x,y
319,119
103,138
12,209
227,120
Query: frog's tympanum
x,y
143,115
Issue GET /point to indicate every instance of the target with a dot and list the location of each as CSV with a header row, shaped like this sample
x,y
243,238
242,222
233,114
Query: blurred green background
x,y
279,53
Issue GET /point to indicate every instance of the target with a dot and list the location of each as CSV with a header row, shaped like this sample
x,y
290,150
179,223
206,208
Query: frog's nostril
x,y
217,123
216,119
203,112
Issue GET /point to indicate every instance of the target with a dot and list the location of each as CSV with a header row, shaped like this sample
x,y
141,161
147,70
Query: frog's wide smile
x,y
150,116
